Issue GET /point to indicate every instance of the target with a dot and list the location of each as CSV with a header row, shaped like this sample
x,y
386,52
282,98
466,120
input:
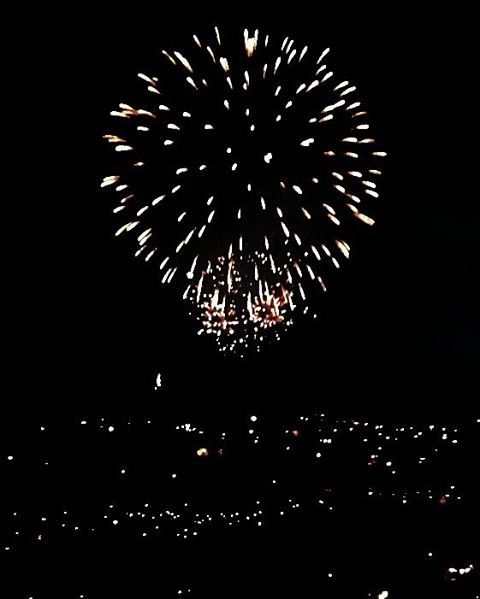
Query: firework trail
x,y
242,175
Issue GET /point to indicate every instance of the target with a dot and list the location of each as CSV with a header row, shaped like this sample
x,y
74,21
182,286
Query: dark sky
x,y
401,317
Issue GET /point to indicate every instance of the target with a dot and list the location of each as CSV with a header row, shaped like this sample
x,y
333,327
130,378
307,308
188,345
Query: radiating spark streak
x,y
113,139
343,247
217,33
147,233
250,42
163,108
353,106
334,219
192,83
329,117
298,269
197,41
307,142
147,79
170,58
111,180
166,275
158,200
297,189
353,197
150,255
126,228
364,218
292,56
329,209
212,55
285,229
323,54
224,64
317,253
277,64
327,76
123,148
348,91
331,107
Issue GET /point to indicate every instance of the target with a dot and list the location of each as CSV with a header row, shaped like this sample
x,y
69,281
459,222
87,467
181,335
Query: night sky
x,y
391,363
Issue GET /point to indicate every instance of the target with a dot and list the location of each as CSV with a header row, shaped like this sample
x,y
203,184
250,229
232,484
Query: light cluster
x,y
398,463
241,172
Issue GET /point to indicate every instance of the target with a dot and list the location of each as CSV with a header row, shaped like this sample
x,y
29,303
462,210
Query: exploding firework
x,y
242,175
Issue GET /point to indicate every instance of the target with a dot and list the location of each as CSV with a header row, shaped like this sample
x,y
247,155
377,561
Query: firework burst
x,y
242,175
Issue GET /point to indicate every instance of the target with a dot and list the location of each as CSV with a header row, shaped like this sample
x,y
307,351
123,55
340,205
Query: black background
x,y
397,340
